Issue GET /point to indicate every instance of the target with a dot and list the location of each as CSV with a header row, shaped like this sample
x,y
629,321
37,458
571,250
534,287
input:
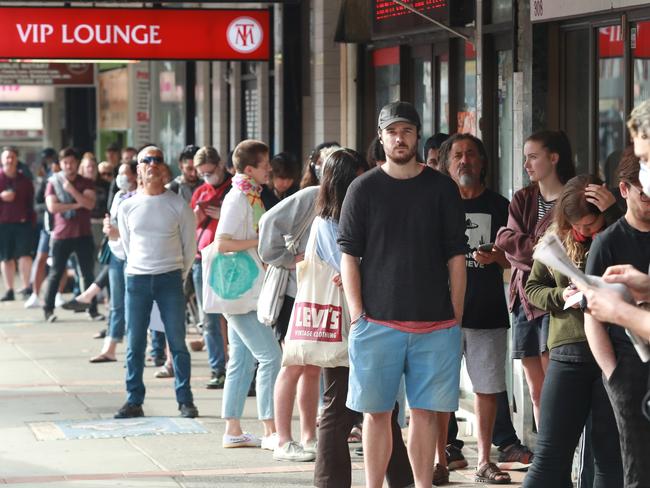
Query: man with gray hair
x,y
157,232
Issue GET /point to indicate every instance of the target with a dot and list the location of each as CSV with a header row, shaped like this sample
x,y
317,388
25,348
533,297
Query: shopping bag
x,y
320,321
272,294
231,281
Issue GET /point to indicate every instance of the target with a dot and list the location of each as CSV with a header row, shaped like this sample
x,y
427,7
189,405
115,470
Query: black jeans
x,y
84,248
333,467
504,433
570,392
626,388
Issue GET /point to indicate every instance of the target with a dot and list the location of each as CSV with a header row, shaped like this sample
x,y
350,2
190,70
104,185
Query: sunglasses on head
x,y
153,160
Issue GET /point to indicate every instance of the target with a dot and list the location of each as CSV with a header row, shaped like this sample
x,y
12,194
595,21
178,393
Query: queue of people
x,y
392,272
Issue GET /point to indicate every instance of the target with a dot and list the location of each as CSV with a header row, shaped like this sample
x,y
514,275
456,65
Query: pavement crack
x,y
146,454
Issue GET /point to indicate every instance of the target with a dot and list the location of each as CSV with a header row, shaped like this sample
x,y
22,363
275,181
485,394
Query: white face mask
x,y
644,177
122,182
211,179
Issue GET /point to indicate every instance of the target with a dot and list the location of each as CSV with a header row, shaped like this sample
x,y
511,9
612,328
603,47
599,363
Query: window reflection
x,y
611,117
640,39
466,116
576,114
443,90
423,93
387,87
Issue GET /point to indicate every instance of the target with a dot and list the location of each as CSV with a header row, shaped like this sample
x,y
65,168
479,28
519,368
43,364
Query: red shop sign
x,y
136,33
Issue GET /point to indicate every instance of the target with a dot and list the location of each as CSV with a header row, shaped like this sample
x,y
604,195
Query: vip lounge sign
x,y
102,33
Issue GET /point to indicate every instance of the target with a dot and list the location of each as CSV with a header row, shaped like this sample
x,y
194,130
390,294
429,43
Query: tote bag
x,y
231,281
320,321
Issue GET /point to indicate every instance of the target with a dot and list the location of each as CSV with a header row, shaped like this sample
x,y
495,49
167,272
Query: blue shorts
x,y
379,355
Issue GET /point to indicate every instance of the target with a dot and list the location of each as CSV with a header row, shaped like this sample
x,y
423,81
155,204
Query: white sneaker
x,y
244,440
310,446
59,300
292,451
33,301
270,442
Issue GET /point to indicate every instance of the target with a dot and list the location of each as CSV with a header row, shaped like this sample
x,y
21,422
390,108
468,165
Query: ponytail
x,y
557,142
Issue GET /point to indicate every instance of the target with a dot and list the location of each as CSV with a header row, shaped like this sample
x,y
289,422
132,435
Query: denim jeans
x,y
166,290
158,343
250,341
116,278
211,324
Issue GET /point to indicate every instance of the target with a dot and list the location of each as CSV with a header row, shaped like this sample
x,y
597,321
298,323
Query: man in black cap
x,y
402,234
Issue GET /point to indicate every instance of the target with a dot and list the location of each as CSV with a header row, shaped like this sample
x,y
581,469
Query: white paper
x,y
573,299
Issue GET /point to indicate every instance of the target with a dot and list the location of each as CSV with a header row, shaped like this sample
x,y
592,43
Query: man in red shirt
x,y
16,222
69,198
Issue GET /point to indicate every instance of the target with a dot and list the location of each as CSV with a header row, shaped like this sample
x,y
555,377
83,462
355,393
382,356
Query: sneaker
x,y
59,301
129,411
292,451
100,335
515,456
196,345
49,316
166,371
159,361
310,446
188,410
270,442
244,440
96,316
440,475
8,296
75,305
26,292
217,381
33,301
455,458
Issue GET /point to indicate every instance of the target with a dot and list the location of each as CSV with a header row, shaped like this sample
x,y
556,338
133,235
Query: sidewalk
x,y
45,377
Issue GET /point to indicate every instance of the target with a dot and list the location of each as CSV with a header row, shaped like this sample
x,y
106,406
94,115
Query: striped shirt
x,y
543,207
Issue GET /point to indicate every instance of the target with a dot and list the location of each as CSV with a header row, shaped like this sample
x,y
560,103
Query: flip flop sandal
x,y
355,435
489,473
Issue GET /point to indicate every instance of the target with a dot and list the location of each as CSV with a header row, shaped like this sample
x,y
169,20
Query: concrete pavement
x,y
45,376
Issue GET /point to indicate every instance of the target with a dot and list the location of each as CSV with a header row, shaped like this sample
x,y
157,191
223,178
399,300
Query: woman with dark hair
x,y
333,466
375,154
549,164
573,385
313,170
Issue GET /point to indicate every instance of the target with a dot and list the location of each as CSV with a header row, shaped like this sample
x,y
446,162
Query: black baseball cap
x,y
398,112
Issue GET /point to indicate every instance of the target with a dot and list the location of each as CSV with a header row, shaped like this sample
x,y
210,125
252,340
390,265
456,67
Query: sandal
x,y
440,475
355,435
491,474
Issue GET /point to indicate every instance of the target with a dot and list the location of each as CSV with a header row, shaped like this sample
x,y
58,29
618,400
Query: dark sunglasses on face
x,y
104,174
152,160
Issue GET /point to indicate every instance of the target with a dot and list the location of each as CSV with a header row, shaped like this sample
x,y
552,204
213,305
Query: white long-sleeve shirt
x,y
157,233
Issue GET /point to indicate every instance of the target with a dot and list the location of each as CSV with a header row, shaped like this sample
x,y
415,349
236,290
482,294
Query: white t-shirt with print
x,y
236,219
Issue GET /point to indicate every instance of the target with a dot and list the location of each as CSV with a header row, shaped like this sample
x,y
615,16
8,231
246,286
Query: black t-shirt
x,y
485,299
620,243
405,231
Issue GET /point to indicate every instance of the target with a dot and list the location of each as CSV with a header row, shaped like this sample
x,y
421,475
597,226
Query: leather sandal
x,y
491,474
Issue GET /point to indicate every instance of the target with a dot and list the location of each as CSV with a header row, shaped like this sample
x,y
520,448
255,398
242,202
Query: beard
x,y
466,180
402,159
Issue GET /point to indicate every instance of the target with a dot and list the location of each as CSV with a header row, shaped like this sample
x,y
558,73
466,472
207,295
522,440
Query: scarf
x,y
253,191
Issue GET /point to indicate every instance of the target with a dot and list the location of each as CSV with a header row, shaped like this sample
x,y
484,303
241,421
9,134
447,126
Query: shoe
x,y
49,316
217,381
514,457
270,442
358,451
75,305
100,335
292,451
440,475
8,296
455,458
33,301
196,345
188,410
129,411
165,372
159,361
355,435
310,446
59,300
96,316
26,292
244,440
102,358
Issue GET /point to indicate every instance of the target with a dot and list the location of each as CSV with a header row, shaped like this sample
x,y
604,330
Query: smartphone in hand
x,y
486,247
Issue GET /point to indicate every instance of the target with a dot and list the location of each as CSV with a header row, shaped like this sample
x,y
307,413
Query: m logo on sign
x,y
245,34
